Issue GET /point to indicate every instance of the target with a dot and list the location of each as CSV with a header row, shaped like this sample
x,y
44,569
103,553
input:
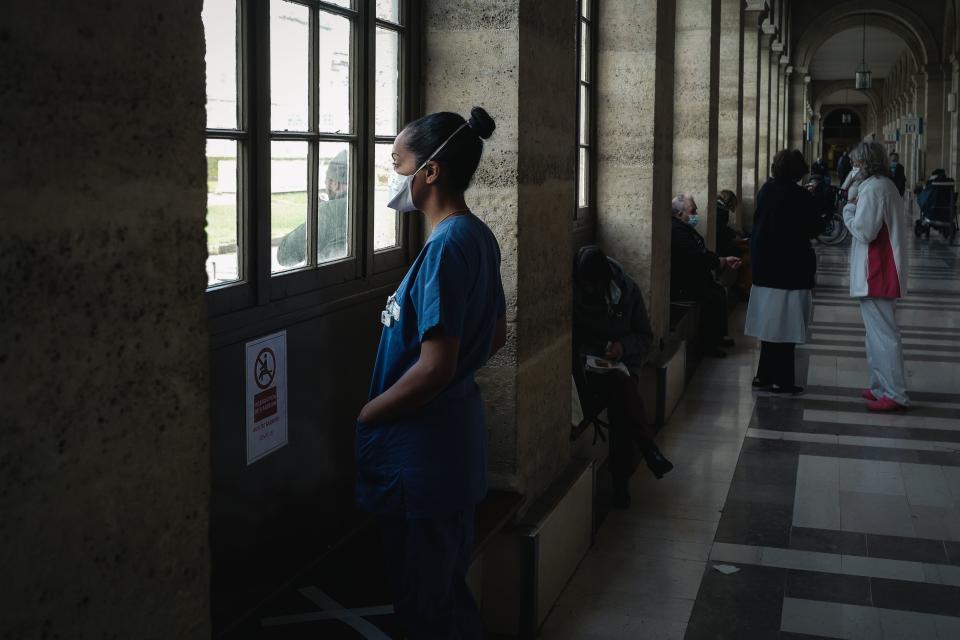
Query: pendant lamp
x,y
864,78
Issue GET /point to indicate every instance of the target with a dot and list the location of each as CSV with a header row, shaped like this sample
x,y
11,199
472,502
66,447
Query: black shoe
x,y
761,384
727,342
621,494
793,390
656,462
714,353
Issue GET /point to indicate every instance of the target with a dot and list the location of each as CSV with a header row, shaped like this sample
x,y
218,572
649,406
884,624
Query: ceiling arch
x,y
892,16
839,55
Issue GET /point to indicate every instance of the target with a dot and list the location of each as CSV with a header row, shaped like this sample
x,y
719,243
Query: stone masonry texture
x,y
104,466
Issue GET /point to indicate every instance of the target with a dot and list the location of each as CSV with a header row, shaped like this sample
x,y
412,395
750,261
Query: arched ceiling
x,y
844,96
839,56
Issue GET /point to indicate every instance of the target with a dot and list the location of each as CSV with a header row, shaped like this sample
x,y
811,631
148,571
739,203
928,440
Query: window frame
x,y
260,293
585,216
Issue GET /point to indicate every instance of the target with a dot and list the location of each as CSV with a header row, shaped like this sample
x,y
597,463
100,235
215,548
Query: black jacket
x,y
787,216
595,322
691,263
900,179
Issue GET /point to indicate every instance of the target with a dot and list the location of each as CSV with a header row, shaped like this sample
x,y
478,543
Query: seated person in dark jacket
x,y
610,321
691,275
897,173
727,236
331,221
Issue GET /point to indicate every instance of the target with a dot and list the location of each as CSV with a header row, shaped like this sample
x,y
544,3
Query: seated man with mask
x,y
691,275
331,221
610,323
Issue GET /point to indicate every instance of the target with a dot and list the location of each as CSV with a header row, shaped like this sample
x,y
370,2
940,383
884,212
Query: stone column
x,y
635,133
933,107
816,144
776,95
952,116
695,107
748,116
524,189
785,101
763,110
797,112
105,355
731,96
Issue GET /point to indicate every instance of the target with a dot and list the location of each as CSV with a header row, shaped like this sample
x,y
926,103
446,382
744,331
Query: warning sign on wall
x,y
266,395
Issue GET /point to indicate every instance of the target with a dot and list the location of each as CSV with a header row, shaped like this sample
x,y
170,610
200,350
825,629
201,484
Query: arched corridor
x,y
208,238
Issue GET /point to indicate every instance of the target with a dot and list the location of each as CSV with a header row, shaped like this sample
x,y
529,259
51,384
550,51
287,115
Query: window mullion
x,y
260,152
366,87
313,185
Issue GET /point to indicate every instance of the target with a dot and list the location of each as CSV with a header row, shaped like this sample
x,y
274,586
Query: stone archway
x,y
885,14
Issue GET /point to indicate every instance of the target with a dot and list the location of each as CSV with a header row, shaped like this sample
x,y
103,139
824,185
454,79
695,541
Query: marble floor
x,y
802,517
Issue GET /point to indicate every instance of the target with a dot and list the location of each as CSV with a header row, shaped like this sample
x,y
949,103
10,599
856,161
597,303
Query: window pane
x,y
220,30
583,178
584,125
334,71
385,219
388,82
341,3
289,66
584,52
333,209
223,264
389,10
288,205
585,8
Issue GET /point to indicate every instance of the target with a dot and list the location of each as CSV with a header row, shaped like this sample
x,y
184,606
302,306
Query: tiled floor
x,y
840,524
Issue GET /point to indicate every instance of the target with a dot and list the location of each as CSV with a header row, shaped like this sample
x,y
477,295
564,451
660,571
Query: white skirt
x,y
779,315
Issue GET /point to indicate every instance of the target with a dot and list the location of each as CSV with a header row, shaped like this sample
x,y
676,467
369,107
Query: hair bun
x,y
481,122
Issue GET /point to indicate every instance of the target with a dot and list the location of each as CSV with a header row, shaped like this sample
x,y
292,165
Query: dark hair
x,y
788,164
593,266
461,155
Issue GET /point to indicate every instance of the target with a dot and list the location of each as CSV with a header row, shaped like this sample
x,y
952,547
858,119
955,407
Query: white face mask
x,y
401,195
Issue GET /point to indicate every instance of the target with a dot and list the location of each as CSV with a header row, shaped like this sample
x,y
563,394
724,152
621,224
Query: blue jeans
x,y
427,560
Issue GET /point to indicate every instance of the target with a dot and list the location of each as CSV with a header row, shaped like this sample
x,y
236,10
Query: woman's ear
x,y
432,171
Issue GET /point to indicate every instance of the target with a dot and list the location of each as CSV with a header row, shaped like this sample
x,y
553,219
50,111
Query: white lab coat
x,y
878,254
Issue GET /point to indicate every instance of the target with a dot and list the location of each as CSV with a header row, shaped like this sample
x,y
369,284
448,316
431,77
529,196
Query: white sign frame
x,y
265,374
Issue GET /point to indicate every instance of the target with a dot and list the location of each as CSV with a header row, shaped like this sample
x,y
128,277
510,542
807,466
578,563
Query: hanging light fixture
x,y
863,78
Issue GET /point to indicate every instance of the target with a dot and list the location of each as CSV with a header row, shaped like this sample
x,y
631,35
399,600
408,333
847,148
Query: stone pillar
x,y
796,119
816,145
748,118
763,110
635,131
105,352
952,116
731,96
526,176
787,71
695,105
776,95
934,88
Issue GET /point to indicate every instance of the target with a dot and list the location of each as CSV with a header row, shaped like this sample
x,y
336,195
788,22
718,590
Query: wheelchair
x,y
938,210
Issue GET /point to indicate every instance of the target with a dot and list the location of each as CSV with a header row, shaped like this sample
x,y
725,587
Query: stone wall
x,y
518,60
635,142
103,342
731,96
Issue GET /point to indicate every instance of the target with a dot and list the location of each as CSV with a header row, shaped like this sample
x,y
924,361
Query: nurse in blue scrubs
x,y
421,438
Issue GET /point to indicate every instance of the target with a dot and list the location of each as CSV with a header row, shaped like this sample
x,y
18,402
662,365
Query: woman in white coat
x,y
878,273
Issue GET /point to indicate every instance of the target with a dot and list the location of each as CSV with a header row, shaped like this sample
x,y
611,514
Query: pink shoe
x,y
885,404
868,395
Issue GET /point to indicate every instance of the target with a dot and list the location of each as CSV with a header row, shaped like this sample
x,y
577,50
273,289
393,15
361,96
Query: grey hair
x,y
678,204
873,157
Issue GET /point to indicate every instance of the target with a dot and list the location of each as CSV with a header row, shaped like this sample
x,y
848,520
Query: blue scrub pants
x,y
428,560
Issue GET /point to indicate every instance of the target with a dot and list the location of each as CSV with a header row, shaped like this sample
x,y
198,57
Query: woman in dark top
x,y
784,271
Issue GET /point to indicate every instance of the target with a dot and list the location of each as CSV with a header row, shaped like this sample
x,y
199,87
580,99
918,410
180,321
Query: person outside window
x,y
421,440
331,221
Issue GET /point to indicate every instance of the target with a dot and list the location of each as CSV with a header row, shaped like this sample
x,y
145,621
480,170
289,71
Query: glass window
x,y
289,66
586,44
323,207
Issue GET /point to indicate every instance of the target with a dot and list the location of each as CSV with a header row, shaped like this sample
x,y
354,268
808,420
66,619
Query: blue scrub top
x,y
435,461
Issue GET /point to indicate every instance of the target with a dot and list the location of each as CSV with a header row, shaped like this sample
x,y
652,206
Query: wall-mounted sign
x,y
266,374
911,125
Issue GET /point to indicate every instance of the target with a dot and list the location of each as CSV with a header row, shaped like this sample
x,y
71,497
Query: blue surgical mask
x,y
401,196
693,220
